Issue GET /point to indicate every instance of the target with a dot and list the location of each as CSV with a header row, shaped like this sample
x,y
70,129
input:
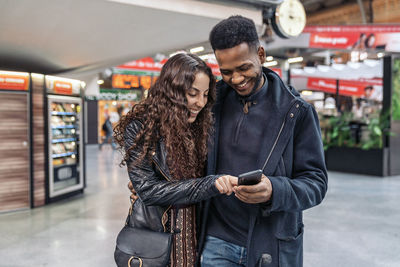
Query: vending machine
x,y
65,140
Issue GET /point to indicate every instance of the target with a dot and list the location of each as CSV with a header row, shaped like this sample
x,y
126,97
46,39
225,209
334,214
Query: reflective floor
x,y
358,224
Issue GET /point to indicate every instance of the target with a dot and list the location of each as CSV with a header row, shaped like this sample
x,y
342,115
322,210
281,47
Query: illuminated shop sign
x,y
115,94
14,81
384,37
63,86
346,87
144,72
127,81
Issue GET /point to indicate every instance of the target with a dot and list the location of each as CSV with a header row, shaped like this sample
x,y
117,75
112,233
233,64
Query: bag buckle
x,y
134,257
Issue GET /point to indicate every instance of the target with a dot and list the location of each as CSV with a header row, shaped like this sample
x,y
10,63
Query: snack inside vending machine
x,y
65,138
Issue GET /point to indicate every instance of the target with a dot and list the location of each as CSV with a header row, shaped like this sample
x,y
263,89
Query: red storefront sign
x,y
14,82
145,64
383,37
320,84
346,87
148,64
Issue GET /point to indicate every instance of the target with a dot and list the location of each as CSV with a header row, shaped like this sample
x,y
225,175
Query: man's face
x,y
241,67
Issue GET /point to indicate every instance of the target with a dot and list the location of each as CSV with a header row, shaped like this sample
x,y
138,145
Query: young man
x,y
259,124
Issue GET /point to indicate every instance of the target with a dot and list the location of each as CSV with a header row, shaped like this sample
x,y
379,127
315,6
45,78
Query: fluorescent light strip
x,y
270,63
197,49
270,58
295,60
177,52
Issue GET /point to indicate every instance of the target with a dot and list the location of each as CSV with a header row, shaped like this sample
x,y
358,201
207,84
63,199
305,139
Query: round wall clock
x,y
289,19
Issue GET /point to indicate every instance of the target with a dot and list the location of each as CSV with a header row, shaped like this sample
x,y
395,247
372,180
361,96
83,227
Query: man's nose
x,y
237,78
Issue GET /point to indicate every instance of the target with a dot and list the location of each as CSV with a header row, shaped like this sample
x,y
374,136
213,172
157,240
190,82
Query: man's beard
x,y
257,83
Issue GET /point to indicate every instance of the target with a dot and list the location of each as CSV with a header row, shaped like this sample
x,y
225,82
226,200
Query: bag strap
x,y
175,212
175,215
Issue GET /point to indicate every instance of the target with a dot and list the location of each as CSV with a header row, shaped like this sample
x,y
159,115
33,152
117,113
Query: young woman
x,y
165,146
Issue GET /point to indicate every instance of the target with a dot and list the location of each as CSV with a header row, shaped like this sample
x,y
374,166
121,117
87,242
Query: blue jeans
x,y
218,252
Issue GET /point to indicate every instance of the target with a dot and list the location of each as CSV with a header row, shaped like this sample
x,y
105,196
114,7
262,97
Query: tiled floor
x,y
358,224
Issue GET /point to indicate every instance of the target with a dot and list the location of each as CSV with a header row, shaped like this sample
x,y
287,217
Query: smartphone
x,y
250,178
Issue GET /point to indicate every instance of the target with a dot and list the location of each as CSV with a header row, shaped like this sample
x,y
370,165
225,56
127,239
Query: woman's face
x,y
197,95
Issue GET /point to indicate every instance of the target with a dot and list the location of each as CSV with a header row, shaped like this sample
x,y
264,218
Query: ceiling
x,y
310,6
75,37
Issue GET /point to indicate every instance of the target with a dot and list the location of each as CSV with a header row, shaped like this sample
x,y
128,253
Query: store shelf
x,y
63,113
64,165
63,155
63,127
63,140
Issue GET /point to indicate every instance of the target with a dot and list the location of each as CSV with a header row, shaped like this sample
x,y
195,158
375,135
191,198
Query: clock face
x,y
290,18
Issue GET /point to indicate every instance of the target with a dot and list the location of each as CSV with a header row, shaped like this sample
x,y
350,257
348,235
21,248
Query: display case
x,y
65,145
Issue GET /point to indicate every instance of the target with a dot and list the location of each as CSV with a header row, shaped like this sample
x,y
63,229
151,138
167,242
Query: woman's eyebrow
x,y
194,88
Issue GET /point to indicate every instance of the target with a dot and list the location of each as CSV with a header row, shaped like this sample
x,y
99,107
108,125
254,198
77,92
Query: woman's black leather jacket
x,y
157,191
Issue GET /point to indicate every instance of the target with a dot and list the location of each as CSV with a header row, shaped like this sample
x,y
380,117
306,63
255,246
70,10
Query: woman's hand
x,y
225,184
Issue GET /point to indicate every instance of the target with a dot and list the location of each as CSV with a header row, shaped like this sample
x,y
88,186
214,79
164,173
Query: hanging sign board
x,y
346,87
145,64
320,84
369,37
147,70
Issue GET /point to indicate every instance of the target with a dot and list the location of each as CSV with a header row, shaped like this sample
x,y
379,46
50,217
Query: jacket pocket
x,y
290,250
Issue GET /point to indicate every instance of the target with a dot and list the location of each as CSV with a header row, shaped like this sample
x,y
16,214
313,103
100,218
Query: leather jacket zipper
x,y
166,178
160,169
164,223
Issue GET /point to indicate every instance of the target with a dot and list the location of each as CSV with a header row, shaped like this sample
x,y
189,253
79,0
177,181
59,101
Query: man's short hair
x,y
233,31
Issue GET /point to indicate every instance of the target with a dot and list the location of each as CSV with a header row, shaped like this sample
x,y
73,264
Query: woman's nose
x,y
201,101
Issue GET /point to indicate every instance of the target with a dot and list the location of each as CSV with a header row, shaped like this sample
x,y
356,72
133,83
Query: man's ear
x,y
261,54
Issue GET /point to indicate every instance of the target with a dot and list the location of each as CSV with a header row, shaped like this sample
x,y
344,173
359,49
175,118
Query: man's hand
x,y
253,194
134,195
225,184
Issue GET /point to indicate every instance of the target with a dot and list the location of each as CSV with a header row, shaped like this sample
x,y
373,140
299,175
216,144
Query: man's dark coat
x,y
293,152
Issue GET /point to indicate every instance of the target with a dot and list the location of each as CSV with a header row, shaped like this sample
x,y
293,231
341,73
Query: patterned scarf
x,y
183,251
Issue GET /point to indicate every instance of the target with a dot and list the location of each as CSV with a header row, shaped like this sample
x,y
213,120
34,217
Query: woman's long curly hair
x,y
164,115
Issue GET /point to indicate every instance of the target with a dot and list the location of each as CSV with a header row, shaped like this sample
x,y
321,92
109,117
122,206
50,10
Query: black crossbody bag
x,y
140,247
